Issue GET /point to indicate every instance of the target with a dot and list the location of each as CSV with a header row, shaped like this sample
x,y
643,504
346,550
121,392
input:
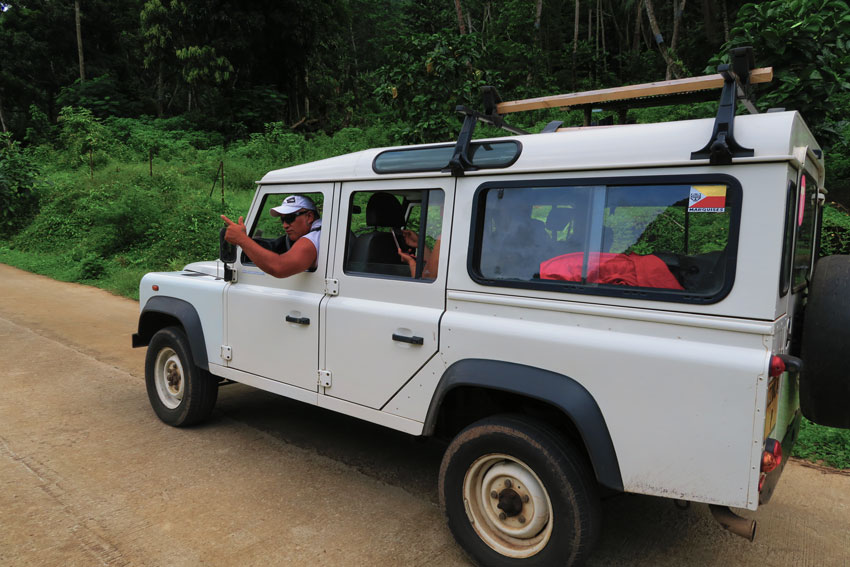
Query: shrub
x,y
826,444
82,134
835,234
18,175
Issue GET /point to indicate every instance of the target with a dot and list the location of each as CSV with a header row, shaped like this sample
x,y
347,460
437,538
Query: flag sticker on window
x,y
707,199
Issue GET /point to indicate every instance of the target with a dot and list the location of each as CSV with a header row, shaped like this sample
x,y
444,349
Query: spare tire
x,y
825,378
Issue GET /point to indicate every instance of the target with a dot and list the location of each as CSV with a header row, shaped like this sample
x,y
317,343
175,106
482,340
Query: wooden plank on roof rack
x,y
661,88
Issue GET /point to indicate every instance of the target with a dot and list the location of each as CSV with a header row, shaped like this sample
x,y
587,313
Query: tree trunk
x,y
160,88
354,54
647,41
659,39
636,38
79,41
3,124
653,23
725,21
460,23
677,19
575,44
619,32
602,29
575,30
306,93
708,21
538,14
598,26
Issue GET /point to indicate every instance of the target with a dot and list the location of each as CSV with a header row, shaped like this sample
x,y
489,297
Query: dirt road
x,y
89,476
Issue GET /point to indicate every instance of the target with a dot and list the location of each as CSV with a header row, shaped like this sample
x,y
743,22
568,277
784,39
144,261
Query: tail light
x,y
780,363
772,456
777,366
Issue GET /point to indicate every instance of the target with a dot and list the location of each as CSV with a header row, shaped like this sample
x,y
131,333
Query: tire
x,y
539,483
825,380
180,393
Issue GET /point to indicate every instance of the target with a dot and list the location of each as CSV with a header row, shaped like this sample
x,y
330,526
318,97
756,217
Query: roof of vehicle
x,y
774,137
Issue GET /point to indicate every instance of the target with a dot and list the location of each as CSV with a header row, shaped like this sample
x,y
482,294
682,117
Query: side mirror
x,y
226,250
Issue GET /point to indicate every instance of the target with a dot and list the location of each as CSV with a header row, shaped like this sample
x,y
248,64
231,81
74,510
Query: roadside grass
x,y
823,445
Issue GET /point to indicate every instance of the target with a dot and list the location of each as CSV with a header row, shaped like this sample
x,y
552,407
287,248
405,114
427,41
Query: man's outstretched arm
x,y
297,259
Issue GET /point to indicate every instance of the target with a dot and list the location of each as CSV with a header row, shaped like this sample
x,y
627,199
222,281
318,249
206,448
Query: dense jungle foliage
x,y
128,126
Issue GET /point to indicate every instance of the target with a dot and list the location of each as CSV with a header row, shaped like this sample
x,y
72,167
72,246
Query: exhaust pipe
x,y
733,522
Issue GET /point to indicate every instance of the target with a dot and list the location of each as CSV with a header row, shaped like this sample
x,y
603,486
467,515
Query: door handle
x,y
411,340
298,320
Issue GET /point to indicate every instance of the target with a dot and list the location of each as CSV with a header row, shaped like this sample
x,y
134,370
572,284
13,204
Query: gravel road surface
x,y
90,476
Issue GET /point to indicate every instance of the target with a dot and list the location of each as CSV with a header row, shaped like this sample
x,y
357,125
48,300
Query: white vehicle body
x,y
626,307
682,387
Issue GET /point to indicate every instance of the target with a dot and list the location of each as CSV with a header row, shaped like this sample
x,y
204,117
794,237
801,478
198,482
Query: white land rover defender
x,y
611,306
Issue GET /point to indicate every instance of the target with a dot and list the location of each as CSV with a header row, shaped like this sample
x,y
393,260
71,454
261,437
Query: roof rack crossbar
x,y
658,91
735,79
722,146
461,162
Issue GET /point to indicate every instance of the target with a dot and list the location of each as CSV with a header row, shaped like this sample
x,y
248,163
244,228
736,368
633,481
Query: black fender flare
x,y
552,388
178,309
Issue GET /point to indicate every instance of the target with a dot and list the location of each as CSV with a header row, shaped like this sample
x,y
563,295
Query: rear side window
x,y
670,240
804,246
788,237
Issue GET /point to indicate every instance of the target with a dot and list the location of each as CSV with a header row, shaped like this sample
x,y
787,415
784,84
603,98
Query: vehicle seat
x,y
557,221
375,251
517,252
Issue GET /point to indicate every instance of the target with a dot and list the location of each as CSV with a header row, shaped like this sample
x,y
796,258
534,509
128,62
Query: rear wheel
x,y
180,393
516,493
825,380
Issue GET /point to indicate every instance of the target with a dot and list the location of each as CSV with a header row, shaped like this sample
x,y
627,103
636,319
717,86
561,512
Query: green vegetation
x,y
108,211
826,445
18,180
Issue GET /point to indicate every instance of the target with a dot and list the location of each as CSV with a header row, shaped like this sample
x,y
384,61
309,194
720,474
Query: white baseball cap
x,y
293,204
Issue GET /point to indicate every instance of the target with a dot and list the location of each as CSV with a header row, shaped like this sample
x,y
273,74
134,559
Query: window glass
x,y
267,230
390,236
788,238
805,223
481,154
661,237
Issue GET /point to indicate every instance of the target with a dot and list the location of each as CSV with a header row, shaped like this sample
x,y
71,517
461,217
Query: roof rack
x,y
734,79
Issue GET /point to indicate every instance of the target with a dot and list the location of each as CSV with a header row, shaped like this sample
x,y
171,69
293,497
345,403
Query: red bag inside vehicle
x,y
607,268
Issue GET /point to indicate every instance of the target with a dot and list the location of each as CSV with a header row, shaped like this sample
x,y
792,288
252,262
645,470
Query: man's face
x,y
297,224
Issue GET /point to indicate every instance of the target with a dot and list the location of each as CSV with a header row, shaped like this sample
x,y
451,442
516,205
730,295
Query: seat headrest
x,y
383,209
558,218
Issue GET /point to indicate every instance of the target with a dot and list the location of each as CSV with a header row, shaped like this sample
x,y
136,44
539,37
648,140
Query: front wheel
x,y
516,493
180,393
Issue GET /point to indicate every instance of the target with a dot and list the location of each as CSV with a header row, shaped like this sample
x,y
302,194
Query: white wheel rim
x,y
522,526
169,378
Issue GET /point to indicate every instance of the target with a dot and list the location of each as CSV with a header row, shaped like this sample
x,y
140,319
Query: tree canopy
x,y
328,64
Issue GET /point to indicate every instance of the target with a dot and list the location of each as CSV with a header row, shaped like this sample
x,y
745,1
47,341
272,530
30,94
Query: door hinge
x,y
325,378
331,286
226,352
